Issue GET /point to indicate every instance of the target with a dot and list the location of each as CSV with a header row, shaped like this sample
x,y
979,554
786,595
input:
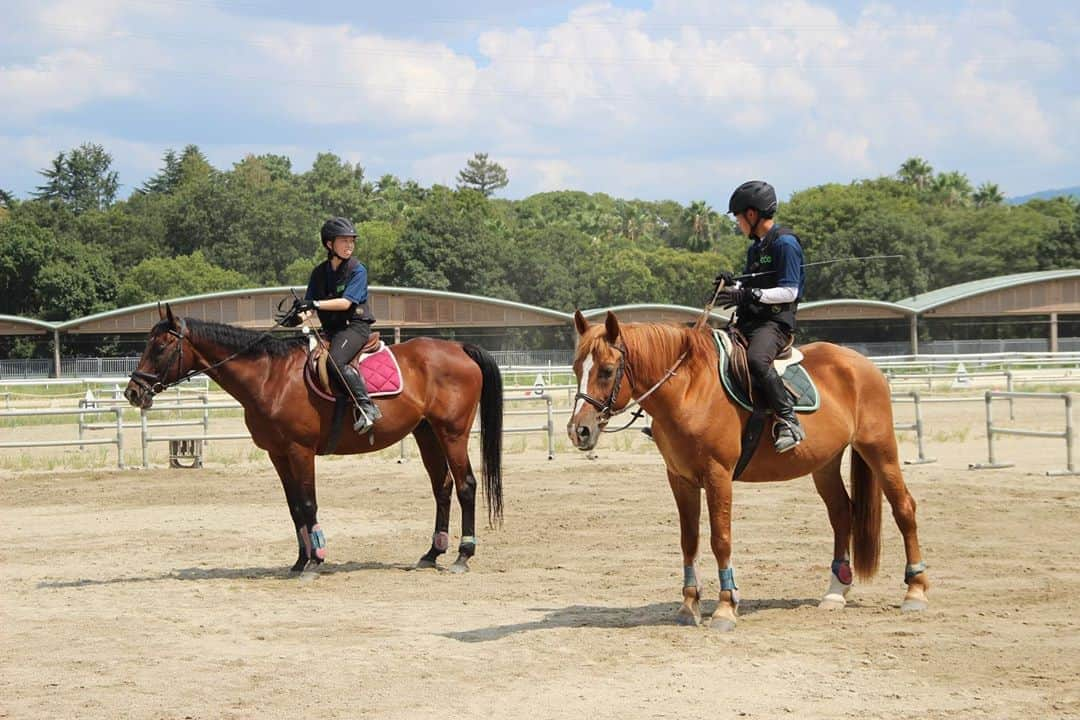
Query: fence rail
x,y
992,430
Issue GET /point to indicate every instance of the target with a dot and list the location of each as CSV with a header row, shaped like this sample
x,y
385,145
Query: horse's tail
x,y
491,422
866,523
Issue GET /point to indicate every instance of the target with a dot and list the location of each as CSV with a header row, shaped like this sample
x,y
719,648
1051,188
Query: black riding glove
x,y
289,319
303,306
740,296
724,277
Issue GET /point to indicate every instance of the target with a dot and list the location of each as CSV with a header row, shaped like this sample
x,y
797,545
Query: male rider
x,y
766,303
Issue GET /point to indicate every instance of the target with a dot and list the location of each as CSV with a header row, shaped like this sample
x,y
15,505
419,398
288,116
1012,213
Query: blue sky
x,y
679,99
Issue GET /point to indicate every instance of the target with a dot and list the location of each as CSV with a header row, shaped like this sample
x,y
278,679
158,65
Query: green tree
x,y
483,175
988,194
164,278
24,248
167,178
916,172
951,188
1060,248
701,222
337,188
80,179
194,167
449,245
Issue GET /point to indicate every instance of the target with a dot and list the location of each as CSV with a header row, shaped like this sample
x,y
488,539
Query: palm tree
x,y
988,194
701,220
916,171
951,188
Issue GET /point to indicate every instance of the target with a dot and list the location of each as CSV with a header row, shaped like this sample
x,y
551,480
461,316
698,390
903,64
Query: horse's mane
x,y
253,343
653,347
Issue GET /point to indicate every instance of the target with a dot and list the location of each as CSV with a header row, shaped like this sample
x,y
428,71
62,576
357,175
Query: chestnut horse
x,y
444,383
671,372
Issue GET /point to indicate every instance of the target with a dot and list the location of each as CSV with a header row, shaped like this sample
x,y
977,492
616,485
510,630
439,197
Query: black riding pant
x,y
765,340
345,344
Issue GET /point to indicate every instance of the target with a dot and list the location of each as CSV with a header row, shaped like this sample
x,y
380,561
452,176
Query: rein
x,y
153,383
605,408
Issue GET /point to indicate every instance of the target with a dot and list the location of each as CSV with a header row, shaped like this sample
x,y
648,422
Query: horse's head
x,y
163,362
600,367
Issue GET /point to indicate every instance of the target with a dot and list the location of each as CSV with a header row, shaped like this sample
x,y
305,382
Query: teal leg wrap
x,y
912,570
689,577
727,582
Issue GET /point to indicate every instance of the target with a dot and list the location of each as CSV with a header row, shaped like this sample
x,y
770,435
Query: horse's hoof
x,y
722,625
914,605
687,619
458,568
832,602
426,564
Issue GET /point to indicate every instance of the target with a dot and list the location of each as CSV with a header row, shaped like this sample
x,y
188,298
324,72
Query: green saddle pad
x,y
796,378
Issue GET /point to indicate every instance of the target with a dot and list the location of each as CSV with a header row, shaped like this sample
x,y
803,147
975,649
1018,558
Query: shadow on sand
x,y
574,616
248,573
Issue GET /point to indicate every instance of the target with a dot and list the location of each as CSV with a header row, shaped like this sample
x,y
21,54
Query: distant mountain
x,y
1046,195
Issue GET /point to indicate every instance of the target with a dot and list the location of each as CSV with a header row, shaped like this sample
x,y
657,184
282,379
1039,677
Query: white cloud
x,y
669,95
63,80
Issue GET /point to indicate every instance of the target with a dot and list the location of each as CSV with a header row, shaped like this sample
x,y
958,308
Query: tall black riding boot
x,y
367,410
787,432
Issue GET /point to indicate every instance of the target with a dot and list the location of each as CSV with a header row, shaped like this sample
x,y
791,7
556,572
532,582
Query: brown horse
x,y
444,383
672,372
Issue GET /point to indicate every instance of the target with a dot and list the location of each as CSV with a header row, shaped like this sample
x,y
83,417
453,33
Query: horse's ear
x,y
169,315
161,311
611,327
580,322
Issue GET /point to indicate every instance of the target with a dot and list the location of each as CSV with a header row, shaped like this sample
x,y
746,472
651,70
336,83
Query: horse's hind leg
x,y
830,486
455,445
435,463
688,500
883,459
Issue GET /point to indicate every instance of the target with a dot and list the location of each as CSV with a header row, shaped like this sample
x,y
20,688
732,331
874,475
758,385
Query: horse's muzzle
x,y
582,436
137,396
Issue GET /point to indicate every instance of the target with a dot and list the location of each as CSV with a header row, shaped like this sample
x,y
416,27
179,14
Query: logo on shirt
x,y
765,259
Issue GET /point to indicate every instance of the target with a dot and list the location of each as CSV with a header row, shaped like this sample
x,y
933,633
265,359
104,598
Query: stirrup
x,y
366,417
794,435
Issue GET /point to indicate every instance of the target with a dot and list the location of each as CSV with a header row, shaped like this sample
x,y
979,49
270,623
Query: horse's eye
x,y
605,372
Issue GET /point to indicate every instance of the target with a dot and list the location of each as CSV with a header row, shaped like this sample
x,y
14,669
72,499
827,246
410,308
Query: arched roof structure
x,y
1031,293
15,325
656,312
1050,292
394,308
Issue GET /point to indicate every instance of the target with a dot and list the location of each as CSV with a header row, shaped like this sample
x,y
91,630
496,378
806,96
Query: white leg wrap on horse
x,y
836,595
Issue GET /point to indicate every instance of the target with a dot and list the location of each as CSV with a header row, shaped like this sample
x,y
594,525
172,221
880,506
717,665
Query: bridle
x,y
605,410
154,384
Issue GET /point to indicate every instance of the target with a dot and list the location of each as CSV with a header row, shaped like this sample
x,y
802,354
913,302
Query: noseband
x,y
604,409
153,383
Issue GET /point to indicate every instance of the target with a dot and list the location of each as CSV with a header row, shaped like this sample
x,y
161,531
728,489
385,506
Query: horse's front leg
x,y
688,499
292,498
304,508
718,496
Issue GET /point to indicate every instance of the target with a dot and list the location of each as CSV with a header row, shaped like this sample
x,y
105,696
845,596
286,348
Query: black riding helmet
x,y
336,227
756,194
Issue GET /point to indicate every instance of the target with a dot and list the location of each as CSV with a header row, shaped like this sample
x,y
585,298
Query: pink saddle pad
x,y
381,373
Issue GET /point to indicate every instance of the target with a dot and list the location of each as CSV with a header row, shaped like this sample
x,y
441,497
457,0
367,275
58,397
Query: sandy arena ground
x,y
165,594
